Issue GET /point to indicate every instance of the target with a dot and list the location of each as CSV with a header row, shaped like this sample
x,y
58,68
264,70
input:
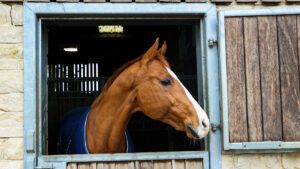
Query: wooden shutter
x,y
263,80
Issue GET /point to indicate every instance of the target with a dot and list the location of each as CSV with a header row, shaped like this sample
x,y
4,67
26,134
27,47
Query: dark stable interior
x,y
76,78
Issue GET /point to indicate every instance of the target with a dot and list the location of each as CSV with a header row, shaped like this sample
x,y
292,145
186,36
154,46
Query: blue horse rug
x,y
72,134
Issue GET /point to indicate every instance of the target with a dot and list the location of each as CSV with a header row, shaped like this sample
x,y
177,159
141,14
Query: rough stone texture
x,y
11,81
11,64
5,14
291,161
12,102
11,34
261,161
17,14
15,150
11,164
11,51
11,124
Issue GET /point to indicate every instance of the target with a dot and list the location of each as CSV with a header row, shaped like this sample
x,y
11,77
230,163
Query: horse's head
x,y
161,95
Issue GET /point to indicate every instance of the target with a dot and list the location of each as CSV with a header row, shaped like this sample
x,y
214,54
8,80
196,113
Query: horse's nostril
x,y
193,131
204,124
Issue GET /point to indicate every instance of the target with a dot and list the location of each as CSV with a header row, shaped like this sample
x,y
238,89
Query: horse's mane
x,y
113,77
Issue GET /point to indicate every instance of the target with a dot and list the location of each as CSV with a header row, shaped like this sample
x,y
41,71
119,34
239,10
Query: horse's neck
x,y
108,119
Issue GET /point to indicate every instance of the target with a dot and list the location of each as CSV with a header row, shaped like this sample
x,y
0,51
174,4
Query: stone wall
x,y
261,161
11,86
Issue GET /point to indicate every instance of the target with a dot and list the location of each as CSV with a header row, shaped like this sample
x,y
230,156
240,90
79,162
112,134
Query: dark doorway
x,y
76,78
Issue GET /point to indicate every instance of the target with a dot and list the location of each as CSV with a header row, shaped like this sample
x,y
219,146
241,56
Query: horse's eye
x,y
166,81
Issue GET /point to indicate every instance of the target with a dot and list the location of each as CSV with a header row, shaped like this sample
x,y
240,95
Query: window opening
x,y
80,60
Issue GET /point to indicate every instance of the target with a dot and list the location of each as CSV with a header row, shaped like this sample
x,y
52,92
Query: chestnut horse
x,y
145,84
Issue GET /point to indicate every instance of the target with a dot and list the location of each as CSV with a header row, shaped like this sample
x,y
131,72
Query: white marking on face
x,y
202,117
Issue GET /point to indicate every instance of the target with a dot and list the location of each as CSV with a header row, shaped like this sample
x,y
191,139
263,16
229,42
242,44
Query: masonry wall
x,y
11,86
11,94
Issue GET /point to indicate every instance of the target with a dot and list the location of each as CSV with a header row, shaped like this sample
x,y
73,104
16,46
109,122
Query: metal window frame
x,y
34,51
266,146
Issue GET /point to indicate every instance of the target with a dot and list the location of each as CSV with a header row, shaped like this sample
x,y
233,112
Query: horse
x,y
145,84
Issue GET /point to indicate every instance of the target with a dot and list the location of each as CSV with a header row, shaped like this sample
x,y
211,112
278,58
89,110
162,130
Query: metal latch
x,y
212,42
214,127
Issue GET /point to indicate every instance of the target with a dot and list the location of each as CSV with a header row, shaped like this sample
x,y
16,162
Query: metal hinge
x,y
212,42
214,127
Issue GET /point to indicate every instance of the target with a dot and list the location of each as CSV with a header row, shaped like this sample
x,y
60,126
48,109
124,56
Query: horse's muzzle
x,y
193,131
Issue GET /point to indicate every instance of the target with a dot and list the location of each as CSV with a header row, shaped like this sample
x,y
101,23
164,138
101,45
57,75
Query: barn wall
x,y
11,95
11,87
261,161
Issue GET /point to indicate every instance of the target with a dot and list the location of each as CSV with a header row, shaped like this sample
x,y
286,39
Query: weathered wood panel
x,y
298,26
162,164
157,164
109,165
125,165
271,101
289,77
253,79
236,80
83,166
178,164
72,166
263,75
144,165
193,164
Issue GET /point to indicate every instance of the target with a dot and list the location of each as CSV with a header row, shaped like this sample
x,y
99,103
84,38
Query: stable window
x,y
259,60
68,58
76,77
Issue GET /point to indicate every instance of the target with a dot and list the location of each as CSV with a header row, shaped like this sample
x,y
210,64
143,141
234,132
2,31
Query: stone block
x,y
94,1
146,1
17,14
169,0
12,164
11,81
10,64
11,148
5,14
11,34
11,124
12,102
11,51
120,0
252,161
196,0
291,161
227,161
271,1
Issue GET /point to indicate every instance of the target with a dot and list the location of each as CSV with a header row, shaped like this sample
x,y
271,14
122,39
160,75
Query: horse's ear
x,y
163,49
162,53
151,52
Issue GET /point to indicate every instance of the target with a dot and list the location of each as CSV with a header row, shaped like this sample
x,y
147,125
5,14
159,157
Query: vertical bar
x,y
30,91
212,86
252,67
236,80
289,76
270,81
